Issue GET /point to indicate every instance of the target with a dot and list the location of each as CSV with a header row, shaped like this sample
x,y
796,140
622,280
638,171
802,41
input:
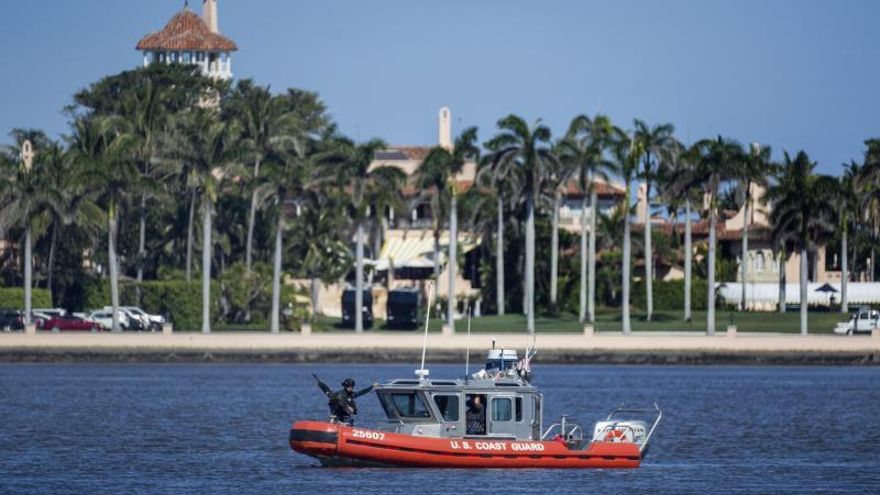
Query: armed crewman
x,y
341,404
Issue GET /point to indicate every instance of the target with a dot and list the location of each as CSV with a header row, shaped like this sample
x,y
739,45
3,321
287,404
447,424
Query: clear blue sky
x,y
800,74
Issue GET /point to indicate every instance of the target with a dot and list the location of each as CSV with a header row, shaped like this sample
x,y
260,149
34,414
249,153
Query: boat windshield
x,y
405,405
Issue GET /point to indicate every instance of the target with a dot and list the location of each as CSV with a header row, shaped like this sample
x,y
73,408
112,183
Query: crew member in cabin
x,y
475,415
342,405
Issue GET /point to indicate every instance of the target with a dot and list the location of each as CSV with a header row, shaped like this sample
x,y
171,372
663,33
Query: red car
x,y
57,323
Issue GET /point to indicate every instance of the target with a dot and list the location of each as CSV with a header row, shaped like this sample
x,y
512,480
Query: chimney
x,y
209,14
445,126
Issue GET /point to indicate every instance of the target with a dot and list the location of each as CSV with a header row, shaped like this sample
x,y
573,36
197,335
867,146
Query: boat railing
x,y
567,430
622,409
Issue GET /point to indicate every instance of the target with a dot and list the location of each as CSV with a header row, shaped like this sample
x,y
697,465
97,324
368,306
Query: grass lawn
x,y
609,321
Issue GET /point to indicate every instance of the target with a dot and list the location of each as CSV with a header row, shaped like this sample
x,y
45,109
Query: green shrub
x,y
13,298
670,295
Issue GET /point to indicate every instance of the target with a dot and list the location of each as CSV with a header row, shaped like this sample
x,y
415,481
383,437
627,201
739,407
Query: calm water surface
x,y
182,429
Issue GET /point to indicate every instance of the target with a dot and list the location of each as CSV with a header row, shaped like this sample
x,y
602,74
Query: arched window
x,y
759,262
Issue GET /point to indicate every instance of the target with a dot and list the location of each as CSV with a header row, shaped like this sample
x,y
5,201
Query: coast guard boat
x,y
434,423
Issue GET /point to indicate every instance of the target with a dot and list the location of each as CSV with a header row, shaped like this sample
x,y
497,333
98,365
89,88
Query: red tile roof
x,y
415,153
186,31
603,189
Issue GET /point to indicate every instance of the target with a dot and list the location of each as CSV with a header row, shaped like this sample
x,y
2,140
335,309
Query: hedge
x,y
13,298
670,295
179,301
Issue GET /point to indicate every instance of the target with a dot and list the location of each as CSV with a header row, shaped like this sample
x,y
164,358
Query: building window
x,y
759,262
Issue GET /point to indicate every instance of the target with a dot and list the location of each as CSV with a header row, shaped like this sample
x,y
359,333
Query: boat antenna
x,y
467,354
422,372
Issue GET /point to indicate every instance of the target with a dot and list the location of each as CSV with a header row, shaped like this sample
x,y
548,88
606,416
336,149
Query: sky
x,y
792,74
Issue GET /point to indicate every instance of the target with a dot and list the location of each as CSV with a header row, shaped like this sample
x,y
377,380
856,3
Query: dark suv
x,y
11,319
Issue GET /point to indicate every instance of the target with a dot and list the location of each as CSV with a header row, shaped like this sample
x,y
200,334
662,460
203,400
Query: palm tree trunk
x,y
114,267
359,279
744,266
189,236
453,248
206,269
710,299
688,261
530,262
782,281
815,263
649,254
28,277
844,276
582,307
142,249
50,270
316,297
437,254
591,260
554,251
627,262
276,274
804,302
252,218
499,259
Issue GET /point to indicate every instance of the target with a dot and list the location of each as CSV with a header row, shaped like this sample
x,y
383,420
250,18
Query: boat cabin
x,y
498,408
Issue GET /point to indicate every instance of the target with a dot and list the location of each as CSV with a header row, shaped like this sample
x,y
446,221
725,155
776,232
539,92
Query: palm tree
x,y
802,204
848,200
145,116
349,165
436,175
526,150
585,146
716,163
264,125
498,175
24,196
100,152
209,149
653,141
753,171
627,152
678,168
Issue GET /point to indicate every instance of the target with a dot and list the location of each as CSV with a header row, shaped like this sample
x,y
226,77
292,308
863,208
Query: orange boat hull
x,y
335,444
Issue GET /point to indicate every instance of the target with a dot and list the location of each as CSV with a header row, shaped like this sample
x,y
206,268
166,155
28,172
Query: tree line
x,y
157,152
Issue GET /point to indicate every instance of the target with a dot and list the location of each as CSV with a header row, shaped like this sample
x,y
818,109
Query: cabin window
x,y
448,406
519,411
502,409
409,405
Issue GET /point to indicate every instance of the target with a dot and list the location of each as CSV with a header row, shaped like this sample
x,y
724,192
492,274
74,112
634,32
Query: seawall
x,y
639,348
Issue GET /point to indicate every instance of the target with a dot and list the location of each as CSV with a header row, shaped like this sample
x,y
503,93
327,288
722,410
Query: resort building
x,y
192,39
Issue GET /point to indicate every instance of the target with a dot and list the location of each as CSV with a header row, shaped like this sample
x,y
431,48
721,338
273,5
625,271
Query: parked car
x,y
58,323
862,321
105,318
148,322
135,322
348,305
50,312
10,320
403,308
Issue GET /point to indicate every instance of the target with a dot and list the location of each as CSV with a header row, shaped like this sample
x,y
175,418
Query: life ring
x,y
615,435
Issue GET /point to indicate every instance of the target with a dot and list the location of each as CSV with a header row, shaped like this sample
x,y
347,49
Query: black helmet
x,y
348,382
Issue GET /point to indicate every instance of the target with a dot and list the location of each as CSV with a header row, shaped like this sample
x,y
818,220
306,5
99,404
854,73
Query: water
x,y
223,429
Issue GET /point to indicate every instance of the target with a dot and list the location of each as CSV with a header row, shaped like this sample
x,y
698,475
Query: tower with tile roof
x,y
191,39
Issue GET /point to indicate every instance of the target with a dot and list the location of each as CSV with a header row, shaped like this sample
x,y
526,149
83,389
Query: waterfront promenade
x,y
647,347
